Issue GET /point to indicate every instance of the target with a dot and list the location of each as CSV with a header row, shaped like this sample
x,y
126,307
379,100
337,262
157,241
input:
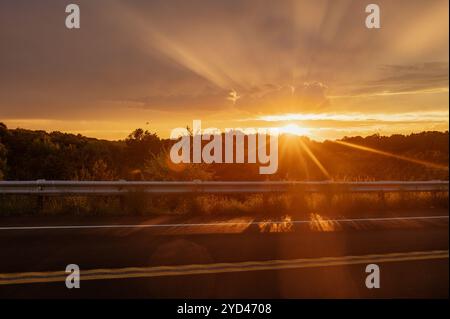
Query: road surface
x,y
226,258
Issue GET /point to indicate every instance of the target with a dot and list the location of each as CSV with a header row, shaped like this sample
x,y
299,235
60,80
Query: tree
x,y
3,151
2,161
161,168
98,172
141,145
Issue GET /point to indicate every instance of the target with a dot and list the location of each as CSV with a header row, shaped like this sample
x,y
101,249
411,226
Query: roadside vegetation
x,y
298,205
32,155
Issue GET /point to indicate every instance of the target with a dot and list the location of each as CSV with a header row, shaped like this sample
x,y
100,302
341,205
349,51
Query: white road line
x,y
345,220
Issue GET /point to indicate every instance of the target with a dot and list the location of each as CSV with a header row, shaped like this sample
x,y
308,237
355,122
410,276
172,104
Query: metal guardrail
x,y
107,188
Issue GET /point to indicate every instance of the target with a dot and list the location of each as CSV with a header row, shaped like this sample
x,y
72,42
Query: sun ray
x,y
315,159
400,157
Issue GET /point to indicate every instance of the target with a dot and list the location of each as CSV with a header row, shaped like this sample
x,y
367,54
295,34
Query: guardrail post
x,y
434,197
329,199
40,197
40,203
122,202
382,198
329,194
299,203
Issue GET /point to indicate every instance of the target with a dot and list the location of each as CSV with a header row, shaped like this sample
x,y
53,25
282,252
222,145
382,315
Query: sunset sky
x,y
312,65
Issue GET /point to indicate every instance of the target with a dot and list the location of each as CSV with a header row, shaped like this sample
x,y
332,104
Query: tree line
x,y
143,155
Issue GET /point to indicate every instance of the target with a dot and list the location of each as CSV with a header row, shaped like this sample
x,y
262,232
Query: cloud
x,y
418,78
233,96
270,98
131,58
179,102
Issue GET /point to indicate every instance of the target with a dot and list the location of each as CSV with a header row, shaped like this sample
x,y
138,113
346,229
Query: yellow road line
x,y
160,271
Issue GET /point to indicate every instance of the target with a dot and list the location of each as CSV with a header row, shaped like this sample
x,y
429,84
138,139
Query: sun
x,y
294,129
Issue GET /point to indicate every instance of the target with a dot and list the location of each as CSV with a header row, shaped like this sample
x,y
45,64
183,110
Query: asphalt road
x,y
113,245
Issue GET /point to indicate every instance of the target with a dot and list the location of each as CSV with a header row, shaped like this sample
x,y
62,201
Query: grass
x,y
267,205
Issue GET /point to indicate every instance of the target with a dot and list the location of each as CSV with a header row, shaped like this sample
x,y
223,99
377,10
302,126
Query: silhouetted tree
x,y
30,155
141,146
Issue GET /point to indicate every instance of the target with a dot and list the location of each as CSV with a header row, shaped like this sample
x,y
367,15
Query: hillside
x,y
31,155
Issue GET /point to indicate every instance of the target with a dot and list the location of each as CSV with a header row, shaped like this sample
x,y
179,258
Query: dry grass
x,y
268,205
